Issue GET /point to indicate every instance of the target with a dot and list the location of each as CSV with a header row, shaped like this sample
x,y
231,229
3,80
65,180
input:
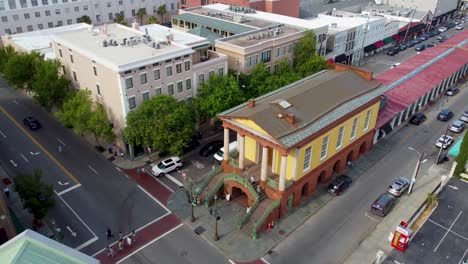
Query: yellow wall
x,y
250,149
252,125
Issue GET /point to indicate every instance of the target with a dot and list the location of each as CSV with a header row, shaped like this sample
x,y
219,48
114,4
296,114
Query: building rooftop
x,y
315,101
345,20
230,15
219,23
32,247
205,33
395,11
121,48
158,31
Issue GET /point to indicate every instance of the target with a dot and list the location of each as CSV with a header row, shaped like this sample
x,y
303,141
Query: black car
x,y
211,148
430,45
383,205
432,33
420,47
451,24
445,115
418,40
32,123
411,43
393,51
417,119
403,47
452,91
191,145
425,36
340,184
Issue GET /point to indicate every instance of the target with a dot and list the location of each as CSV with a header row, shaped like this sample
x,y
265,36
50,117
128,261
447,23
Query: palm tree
x,y
152,20
86,19
161,11
119,18
431,200
141,13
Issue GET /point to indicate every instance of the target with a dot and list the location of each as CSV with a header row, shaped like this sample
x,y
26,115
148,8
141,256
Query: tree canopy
x,y
462,157
19,69
86,19
5,54
161,123
141,14
152,20
305,48
120,19
162,11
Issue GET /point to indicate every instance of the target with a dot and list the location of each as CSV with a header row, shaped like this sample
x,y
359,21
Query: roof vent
x,y
251,103
291,118
280,116
283,103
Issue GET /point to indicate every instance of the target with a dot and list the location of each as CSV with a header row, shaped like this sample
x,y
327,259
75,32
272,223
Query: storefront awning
x,y
388,40
370,48
379,44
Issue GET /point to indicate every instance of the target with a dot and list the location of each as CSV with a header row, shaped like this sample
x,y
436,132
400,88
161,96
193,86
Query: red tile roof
x,y
409,91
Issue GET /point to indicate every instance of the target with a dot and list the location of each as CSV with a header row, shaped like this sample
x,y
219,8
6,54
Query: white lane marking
x,y
61,141
14,101
117,168
79,218
91,168
448,230
63,183
460,262
24,157
174,180
69,189
71,231
443,227
230,261
87,243
14,164
264,261
424,161
370,217
151,242
34,153
156,200
3,135
163,184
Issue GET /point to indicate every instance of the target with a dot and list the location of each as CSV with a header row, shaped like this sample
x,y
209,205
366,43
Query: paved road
x,y
336,230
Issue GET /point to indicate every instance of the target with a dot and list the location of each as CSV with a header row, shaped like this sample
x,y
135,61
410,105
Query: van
x,y
383,205
219,156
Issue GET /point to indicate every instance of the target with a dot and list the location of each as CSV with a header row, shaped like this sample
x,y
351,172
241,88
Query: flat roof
x,y
119,57
229,15
260,36
159,31
214,22
346,22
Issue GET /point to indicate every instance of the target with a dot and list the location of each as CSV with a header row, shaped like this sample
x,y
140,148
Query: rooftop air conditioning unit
x,y
239,19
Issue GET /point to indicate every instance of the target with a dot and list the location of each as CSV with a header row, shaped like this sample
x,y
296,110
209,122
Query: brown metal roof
x,y
310,99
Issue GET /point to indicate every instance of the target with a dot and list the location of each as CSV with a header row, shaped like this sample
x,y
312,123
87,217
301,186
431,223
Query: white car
x,y
444,141
166,166
442,29
459,27
464,117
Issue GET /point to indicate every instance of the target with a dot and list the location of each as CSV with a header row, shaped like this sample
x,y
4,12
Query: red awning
x,y
379,44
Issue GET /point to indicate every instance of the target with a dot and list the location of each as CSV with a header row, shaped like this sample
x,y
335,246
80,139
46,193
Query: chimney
x,y
291,118
251,103
135,25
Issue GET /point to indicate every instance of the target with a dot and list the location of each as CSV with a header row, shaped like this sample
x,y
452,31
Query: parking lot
x,y
444,236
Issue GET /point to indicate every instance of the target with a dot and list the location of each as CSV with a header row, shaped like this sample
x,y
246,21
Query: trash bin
x,y
443,158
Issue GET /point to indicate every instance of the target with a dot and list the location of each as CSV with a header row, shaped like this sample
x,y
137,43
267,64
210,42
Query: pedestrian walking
x,y
109,148
6,191
350,164
138,171
109,233
133,234
110,252
120,235
213,167
129,240
143,170
121,244
121,154
252,179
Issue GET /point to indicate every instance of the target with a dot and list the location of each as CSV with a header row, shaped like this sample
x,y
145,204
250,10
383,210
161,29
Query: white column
x,y
241,151
296,158
263,171
226,144
282,179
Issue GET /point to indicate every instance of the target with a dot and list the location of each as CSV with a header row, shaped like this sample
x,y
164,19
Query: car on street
x,y
451,24
464,117
425,36
32,123
445,115
459,27
434,33
166,166
383,205
441,38
395,65
452,91
444,141
399,186
420,47
191,145
418,40
417,119
393,51
430,44
443,29
457,126
403,47
339,185
211,148
411,43
457,21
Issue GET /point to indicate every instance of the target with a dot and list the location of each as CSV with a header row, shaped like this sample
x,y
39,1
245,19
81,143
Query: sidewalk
x,y
405,208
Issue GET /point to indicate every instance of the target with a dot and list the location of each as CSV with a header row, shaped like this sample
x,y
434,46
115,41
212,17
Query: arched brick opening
x,y
244,197
305,191
362,148
322,177
337,167
350,156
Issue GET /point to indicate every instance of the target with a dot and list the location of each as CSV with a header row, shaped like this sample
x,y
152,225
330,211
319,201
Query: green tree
x,y
98,124
120,19
20,69
257,80
36,196
218,94
431,199
76,111
282,77
5,54
141,14
462,157
50,88
86,19
311,66
152,20
162,11
162,123
305,48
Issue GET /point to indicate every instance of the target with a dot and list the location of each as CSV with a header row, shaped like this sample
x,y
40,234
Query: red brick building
x,y
282,7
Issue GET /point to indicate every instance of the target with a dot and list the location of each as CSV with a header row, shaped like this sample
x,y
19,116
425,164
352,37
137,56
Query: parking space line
x,y
443,227
24,157
156,200
87,243
91,168
174,180
370,217
448,230
464,254
3,135
69,189
61,142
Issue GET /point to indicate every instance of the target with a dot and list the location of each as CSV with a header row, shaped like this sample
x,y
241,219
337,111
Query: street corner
x,y
179,203
150,184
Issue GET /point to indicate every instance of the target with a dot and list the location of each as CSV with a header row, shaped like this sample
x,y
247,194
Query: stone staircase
x,y
261,195
256,215
211,186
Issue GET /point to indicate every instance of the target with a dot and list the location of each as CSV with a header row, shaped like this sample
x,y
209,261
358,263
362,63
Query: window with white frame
x,y
74,76
157,74
169,71
324,151
188,84
354,129
158,91
143,79
339,142
178,68
180,87
170,89
131,102
201,79
221,71
95,70
187,65
368,117
307,158
210,73
129,83
145,96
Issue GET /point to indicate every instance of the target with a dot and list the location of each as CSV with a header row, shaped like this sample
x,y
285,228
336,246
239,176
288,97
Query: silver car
x,y
457,126
399,186
464,117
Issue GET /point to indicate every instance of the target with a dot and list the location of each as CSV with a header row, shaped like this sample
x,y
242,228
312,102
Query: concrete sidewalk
x,y
378,239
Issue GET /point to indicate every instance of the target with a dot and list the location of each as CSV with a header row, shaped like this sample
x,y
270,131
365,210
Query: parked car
x,y
402,47
417,119
424,36
445,115
393,51
211,148
443,29
410,43
451,24
166,166
420,47
444,141
441,38
431,44
399,186
457,126
457,21
459,27
452,91
434,32
396,64
32,123
418,40
464,117
383,205
191,145
340,184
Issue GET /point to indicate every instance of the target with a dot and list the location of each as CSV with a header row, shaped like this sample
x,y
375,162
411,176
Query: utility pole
x,y
409,24
416,170
237,74
366,26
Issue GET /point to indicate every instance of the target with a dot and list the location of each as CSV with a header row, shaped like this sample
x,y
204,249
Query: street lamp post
x,y
416,170
441,147
216,216
192,217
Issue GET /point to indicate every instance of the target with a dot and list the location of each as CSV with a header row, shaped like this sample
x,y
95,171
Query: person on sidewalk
x,y
120,235
128,240
6,191
252,179
121,244
109,233
110,252
350,164
133,234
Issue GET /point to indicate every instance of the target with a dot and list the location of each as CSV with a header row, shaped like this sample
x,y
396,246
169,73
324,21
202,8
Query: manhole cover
x,y
281,232
199,230
183,253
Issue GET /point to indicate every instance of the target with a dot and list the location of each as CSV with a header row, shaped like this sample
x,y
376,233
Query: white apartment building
x,y
441,9
123,67
17,16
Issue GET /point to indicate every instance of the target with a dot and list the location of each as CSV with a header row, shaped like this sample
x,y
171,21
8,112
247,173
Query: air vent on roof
x,y
283,103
